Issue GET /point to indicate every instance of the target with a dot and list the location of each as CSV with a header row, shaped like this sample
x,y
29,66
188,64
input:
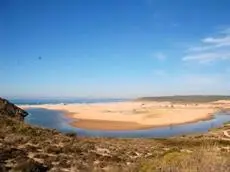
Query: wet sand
x,y
132,115
107,125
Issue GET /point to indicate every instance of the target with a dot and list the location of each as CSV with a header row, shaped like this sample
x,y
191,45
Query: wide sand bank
x,y
132,115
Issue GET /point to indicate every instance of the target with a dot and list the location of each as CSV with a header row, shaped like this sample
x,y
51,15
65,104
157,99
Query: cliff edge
x,y
10,110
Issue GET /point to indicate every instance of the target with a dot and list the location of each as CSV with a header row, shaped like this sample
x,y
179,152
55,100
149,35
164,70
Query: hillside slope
x,y
27,148
10,110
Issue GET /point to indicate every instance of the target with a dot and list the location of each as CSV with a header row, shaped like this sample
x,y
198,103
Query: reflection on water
x,y
56,120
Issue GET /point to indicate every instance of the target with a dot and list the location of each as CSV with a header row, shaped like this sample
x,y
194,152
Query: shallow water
x,y
56,120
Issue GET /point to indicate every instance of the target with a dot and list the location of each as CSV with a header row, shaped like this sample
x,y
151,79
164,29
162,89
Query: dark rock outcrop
x,y
30,166
10,110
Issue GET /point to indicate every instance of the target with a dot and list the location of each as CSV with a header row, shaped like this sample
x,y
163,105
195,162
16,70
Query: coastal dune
x,y
131,115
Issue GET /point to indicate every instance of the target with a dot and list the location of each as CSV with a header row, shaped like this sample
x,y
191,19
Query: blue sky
x,y
114,48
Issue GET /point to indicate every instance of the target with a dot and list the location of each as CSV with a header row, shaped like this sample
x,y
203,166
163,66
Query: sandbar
x,y
132,115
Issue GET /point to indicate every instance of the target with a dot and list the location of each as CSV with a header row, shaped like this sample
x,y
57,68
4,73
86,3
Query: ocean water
x,y
56,120
66,100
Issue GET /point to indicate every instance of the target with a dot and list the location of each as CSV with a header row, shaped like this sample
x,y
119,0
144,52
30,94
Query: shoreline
x,y
101,125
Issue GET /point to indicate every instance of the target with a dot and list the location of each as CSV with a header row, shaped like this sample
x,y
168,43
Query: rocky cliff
x,y
10,110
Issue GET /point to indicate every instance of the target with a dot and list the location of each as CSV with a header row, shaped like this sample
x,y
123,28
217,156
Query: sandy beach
x,y
133,115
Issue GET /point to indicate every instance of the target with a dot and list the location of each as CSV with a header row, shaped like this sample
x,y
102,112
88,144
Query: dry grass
x,y
204,159
23,147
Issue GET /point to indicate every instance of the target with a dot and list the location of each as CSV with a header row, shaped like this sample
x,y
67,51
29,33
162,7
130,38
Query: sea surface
x,y
56,120
67,100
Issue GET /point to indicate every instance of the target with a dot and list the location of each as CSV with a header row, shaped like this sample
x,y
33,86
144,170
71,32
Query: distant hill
x,y
186,99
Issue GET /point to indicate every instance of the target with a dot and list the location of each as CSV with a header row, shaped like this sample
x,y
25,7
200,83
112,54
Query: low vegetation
x,y
186,99
27,148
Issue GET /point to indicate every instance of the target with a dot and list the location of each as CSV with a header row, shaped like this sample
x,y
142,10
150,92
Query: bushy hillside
x,y
25,148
